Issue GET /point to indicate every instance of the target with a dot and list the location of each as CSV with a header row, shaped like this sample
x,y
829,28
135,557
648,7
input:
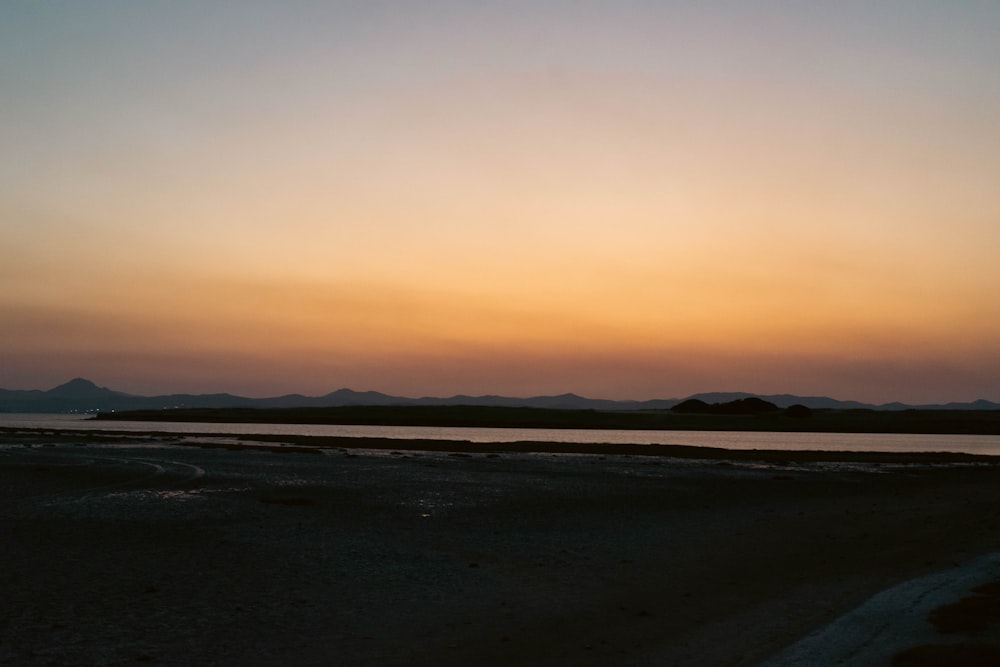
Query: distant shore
x,y
314,444
959,422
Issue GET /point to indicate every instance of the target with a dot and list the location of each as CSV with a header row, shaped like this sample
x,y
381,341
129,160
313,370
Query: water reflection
x,y
883,442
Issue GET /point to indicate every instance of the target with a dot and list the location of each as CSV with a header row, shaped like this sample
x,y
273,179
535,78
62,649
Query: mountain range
x,y
80,395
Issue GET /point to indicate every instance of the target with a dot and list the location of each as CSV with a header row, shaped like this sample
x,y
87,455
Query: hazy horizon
x,y
620,200
153,393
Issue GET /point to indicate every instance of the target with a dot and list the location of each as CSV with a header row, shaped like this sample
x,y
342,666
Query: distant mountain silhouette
x,y
787,400
750,405
79,389
64,398
81,395
693,406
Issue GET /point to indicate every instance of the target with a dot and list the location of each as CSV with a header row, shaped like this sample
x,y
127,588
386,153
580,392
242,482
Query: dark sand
x,y
156,553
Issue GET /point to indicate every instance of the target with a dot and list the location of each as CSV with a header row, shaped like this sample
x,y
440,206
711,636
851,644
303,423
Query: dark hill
x,y
741,406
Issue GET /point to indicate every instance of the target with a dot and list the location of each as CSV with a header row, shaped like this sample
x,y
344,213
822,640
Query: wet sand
x,y
142,550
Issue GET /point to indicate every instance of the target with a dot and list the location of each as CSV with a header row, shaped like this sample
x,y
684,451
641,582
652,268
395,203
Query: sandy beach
x,y
155,550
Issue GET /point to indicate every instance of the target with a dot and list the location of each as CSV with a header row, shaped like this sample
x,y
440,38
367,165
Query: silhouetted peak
x,y
75,386
741,406
77,383
81,388
753,404
798,411
692,405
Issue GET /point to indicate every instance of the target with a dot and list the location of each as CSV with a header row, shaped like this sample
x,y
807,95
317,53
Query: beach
x,y
168,550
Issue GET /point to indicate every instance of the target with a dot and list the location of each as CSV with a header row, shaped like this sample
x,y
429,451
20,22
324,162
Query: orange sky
x,y
624,200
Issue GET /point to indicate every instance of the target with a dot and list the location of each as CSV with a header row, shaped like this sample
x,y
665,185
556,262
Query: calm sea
x,y
872,442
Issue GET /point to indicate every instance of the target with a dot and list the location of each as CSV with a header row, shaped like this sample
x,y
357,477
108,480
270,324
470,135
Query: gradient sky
x,y
627,199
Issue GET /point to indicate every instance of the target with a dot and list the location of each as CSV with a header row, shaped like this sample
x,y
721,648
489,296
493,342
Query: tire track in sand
x,y
172,473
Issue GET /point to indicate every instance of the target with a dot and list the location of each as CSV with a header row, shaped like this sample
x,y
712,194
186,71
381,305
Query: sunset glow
x,y
622,200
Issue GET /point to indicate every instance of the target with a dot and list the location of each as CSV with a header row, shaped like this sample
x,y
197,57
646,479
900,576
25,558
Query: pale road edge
x,y
888,622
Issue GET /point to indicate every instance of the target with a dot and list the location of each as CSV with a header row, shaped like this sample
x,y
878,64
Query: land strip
x,y
311,444
982,422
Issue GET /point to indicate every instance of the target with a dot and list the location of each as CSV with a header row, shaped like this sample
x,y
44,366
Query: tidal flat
x,y
180,550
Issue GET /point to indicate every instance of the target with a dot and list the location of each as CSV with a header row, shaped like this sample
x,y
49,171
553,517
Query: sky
x,y
629,199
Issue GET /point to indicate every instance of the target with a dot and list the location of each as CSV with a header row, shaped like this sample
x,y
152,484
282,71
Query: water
x,y
868,442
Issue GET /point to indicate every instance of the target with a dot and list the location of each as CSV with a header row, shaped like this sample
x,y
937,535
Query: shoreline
x,y
912,421
289,443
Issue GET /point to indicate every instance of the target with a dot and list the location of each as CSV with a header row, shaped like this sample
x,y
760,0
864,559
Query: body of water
x,y
868,442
